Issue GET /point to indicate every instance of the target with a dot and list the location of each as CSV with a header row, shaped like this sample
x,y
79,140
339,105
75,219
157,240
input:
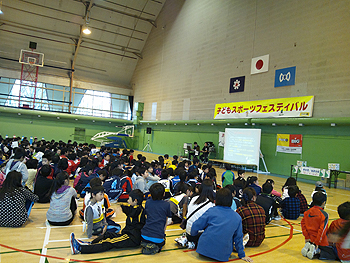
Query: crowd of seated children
x,y
52,177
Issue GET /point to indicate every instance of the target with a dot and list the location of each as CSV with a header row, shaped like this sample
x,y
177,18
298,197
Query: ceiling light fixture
x,y
86,29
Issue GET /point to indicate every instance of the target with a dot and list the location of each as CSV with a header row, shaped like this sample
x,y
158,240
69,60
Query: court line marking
x,y
47,256
46,241
42,227
285,227
267,251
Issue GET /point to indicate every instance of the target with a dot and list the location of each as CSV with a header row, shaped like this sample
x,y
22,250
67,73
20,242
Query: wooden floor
x,y
25,244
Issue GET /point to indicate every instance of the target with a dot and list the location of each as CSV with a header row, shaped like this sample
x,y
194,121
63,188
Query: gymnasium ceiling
x,y
107,56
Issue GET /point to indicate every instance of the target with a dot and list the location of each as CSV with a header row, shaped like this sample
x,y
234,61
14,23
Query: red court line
x,y
267,251
47,256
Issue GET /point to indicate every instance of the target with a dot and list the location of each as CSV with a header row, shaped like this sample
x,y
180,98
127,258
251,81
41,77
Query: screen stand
x,y
148,146
262,158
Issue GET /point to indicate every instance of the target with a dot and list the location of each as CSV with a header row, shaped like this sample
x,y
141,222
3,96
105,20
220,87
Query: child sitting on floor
x,y
157,212
235,201
228,176
274,192
336,249
314,226
253,218
222,228
94,216
290,206
266,201
166,182
130,236
108,210
318,188
179,202
252,181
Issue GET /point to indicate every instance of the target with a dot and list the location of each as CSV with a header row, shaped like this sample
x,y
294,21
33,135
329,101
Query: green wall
x,y
322,144
48,126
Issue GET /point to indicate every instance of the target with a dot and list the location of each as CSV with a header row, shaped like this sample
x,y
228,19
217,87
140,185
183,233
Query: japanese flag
x,y
260,64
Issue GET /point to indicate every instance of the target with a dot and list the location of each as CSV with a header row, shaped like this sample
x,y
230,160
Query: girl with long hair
x,y
62,203
15,201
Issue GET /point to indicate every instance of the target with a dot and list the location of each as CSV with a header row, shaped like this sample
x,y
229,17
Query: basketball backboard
x,y
31,58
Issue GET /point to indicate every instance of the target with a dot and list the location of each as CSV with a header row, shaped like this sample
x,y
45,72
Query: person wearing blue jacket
x,y
222,229
252,181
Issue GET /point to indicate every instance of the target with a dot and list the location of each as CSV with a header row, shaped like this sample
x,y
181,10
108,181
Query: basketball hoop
x,y
31,58
31,61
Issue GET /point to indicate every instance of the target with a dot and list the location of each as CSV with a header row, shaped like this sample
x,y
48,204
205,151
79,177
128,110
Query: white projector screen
x,y
242,146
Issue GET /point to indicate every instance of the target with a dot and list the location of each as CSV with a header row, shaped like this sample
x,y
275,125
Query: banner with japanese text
x,y
289,143
272,108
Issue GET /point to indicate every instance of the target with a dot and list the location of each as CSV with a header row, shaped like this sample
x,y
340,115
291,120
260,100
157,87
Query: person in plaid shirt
x,y
253,218
291,205
303,202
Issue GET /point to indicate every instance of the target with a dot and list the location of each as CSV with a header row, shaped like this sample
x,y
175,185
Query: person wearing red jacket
x,y
314,226
341,253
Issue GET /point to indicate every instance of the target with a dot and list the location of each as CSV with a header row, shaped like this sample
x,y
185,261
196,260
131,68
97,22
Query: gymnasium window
x,y
24,96
50,97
